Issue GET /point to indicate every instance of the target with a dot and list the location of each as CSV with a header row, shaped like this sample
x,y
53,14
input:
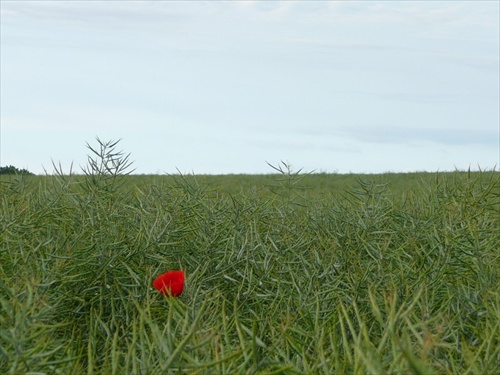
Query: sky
x,y
220,87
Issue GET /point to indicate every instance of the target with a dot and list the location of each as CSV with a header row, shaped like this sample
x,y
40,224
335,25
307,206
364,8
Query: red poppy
x,y
170,283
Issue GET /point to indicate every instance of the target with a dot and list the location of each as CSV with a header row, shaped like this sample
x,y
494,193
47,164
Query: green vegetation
x,y
10,169
286,273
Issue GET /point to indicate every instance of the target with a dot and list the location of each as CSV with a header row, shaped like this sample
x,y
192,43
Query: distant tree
x,y
13,170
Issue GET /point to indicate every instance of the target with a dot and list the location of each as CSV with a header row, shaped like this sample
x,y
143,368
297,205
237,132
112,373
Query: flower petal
x,y
170,283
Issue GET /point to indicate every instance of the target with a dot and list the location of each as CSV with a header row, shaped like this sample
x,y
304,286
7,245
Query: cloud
x,y
99,16
384,134
345,45
412,97
490,65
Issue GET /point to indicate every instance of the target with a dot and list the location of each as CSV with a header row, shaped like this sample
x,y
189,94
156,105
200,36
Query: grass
x,y
286,274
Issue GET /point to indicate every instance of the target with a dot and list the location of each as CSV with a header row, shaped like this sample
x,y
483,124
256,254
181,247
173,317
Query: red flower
x,y
170,283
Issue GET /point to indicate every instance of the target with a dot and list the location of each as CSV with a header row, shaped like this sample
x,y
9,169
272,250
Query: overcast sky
x,y
224,87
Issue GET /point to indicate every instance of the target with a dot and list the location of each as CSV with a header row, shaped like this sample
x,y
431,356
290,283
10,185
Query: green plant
x,y
106,167
368,274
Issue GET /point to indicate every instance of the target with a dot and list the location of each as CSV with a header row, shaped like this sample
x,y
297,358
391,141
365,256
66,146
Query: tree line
x,y
10,169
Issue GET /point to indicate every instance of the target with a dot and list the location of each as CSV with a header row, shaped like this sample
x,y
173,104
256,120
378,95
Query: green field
x,y
286,274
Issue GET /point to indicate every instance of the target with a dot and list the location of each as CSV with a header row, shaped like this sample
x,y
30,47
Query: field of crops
x,y
285,274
